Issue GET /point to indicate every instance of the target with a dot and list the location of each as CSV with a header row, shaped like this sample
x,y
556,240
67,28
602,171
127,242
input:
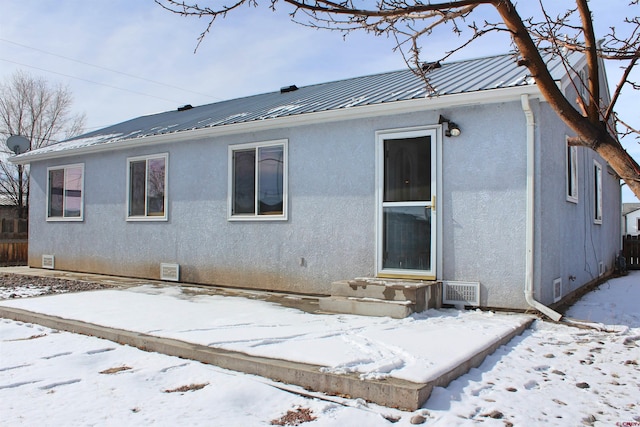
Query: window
x,y
65,193
147,187
597,192
258,181
572,172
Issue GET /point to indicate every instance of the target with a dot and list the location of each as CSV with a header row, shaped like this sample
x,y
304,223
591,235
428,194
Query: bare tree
x,y
410,22
32,108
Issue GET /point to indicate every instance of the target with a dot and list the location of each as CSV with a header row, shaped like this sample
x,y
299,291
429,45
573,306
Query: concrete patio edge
x,y
390,392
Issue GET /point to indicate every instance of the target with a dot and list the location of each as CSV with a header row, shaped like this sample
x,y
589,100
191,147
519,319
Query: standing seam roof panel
x,y
451,78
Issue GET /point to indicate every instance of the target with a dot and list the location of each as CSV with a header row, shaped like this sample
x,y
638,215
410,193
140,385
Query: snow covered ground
x,y
553,374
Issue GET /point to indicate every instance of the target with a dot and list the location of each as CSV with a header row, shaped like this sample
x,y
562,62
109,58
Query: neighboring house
x,y
631,219
11,227
8,209
365,177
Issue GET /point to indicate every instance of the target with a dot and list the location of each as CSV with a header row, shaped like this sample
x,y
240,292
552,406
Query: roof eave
x,y
358,112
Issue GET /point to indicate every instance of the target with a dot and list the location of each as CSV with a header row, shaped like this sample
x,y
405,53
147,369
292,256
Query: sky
x,y
122,59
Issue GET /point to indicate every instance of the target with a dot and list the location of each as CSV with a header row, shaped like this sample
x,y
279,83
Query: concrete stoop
x,y
390,392
396,298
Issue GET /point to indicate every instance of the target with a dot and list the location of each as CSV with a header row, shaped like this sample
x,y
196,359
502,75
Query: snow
x,y
373,347
552,374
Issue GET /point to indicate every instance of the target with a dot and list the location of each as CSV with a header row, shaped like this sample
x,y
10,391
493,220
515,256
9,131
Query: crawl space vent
x,y
170,272
601,269
47,261
456,293
557,290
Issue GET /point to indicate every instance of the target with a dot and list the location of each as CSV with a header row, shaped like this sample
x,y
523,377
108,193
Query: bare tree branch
x,y
411,22
30,107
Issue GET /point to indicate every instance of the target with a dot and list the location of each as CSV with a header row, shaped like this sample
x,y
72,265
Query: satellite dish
x,y
18,144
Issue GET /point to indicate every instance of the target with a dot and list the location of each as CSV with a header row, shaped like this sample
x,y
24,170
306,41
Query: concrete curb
x,y
390,392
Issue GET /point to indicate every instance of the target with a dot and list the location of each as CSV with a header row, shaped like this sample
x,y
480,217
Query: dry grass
x,y
185,388
115,370
294,418
32,337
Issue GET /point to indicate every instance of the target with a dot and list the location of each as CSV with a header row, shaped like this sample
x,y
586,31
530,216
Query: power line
x,y
90,81
108,69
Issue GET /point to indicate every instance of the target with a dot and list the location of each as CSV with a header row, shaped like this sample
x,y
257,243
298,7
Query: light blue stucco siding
x,y
330,230
484,202
570,244
329,234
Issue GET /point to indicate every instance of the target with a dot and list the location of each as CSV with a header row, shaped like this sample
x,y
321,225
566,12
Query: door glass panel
x,y
407,169
407,237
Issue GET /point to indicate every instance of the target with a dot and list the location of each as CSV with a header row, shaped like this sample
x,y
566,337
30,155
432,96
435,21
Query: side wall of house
x,y
571,246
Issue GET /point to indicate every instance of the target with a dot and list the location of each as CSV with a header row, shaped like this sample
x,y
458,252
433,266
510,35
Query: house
x,y
631,219
12,227
467,181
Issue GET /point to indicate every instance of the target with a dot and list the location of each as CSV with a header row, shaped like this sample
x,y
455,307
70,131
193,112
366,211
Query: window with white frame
x,y
572,172
65,193
597,192
147,187
258,180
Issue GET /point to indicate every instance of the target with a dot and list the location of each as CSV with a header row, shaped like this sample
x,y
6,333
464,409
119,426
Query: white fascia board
x,y
390,108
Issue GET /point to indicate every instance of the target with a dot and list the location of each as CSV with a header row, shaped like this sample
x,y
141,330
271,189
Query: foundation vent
x,y
170,272
467,293
601,269
48,261
557,290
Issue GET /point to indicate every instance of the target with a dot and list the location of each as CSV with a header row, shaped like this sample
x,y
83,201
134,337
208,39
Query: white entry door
x,y
406,228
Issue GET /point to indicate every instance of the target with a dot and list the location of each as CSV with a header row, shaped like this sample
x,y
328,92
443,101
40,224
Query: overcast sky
x,y
126,58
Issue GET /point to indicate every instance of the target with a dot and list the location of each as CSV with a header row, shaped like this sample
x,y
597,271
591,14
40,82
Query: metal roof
x,y
627,208
458,77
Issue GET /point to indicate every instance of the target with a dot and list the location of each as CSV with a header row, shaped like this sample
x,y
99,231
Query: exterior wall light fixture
x,y
452,128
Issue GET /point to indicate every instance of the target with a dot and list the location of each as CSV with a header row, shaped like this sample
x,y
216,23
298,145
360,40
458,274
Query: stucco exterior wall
x,y
331,220
484,201
570,245
330,233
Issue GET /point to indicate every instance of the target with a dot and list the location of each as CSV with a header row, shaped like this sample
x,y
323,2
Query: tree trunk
x,y
622,163
591,133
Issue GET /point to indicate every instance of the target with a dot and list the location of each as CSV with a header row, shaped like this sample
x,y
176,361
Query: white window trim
x,y
165,217
64,218
285,187
597,196
572,196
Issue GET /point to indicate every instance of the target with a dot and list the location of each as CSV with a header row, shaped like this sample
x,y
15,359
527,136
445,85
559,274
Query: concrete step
x,y
366,306
419,295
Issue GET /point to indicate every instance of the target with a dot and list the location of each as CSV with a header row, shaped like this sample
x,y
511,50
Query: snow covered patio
x,y
392,362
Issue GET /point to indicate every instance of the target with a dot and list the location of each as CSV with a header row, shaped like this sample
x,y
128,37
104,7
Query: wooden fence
x,y
14,229
631,251
13,252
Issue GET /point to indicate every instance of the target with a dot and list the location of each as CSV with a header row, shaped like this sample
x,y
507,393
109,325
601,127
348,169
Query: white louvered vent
x,y
170,272
467,293
557,289
48,261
